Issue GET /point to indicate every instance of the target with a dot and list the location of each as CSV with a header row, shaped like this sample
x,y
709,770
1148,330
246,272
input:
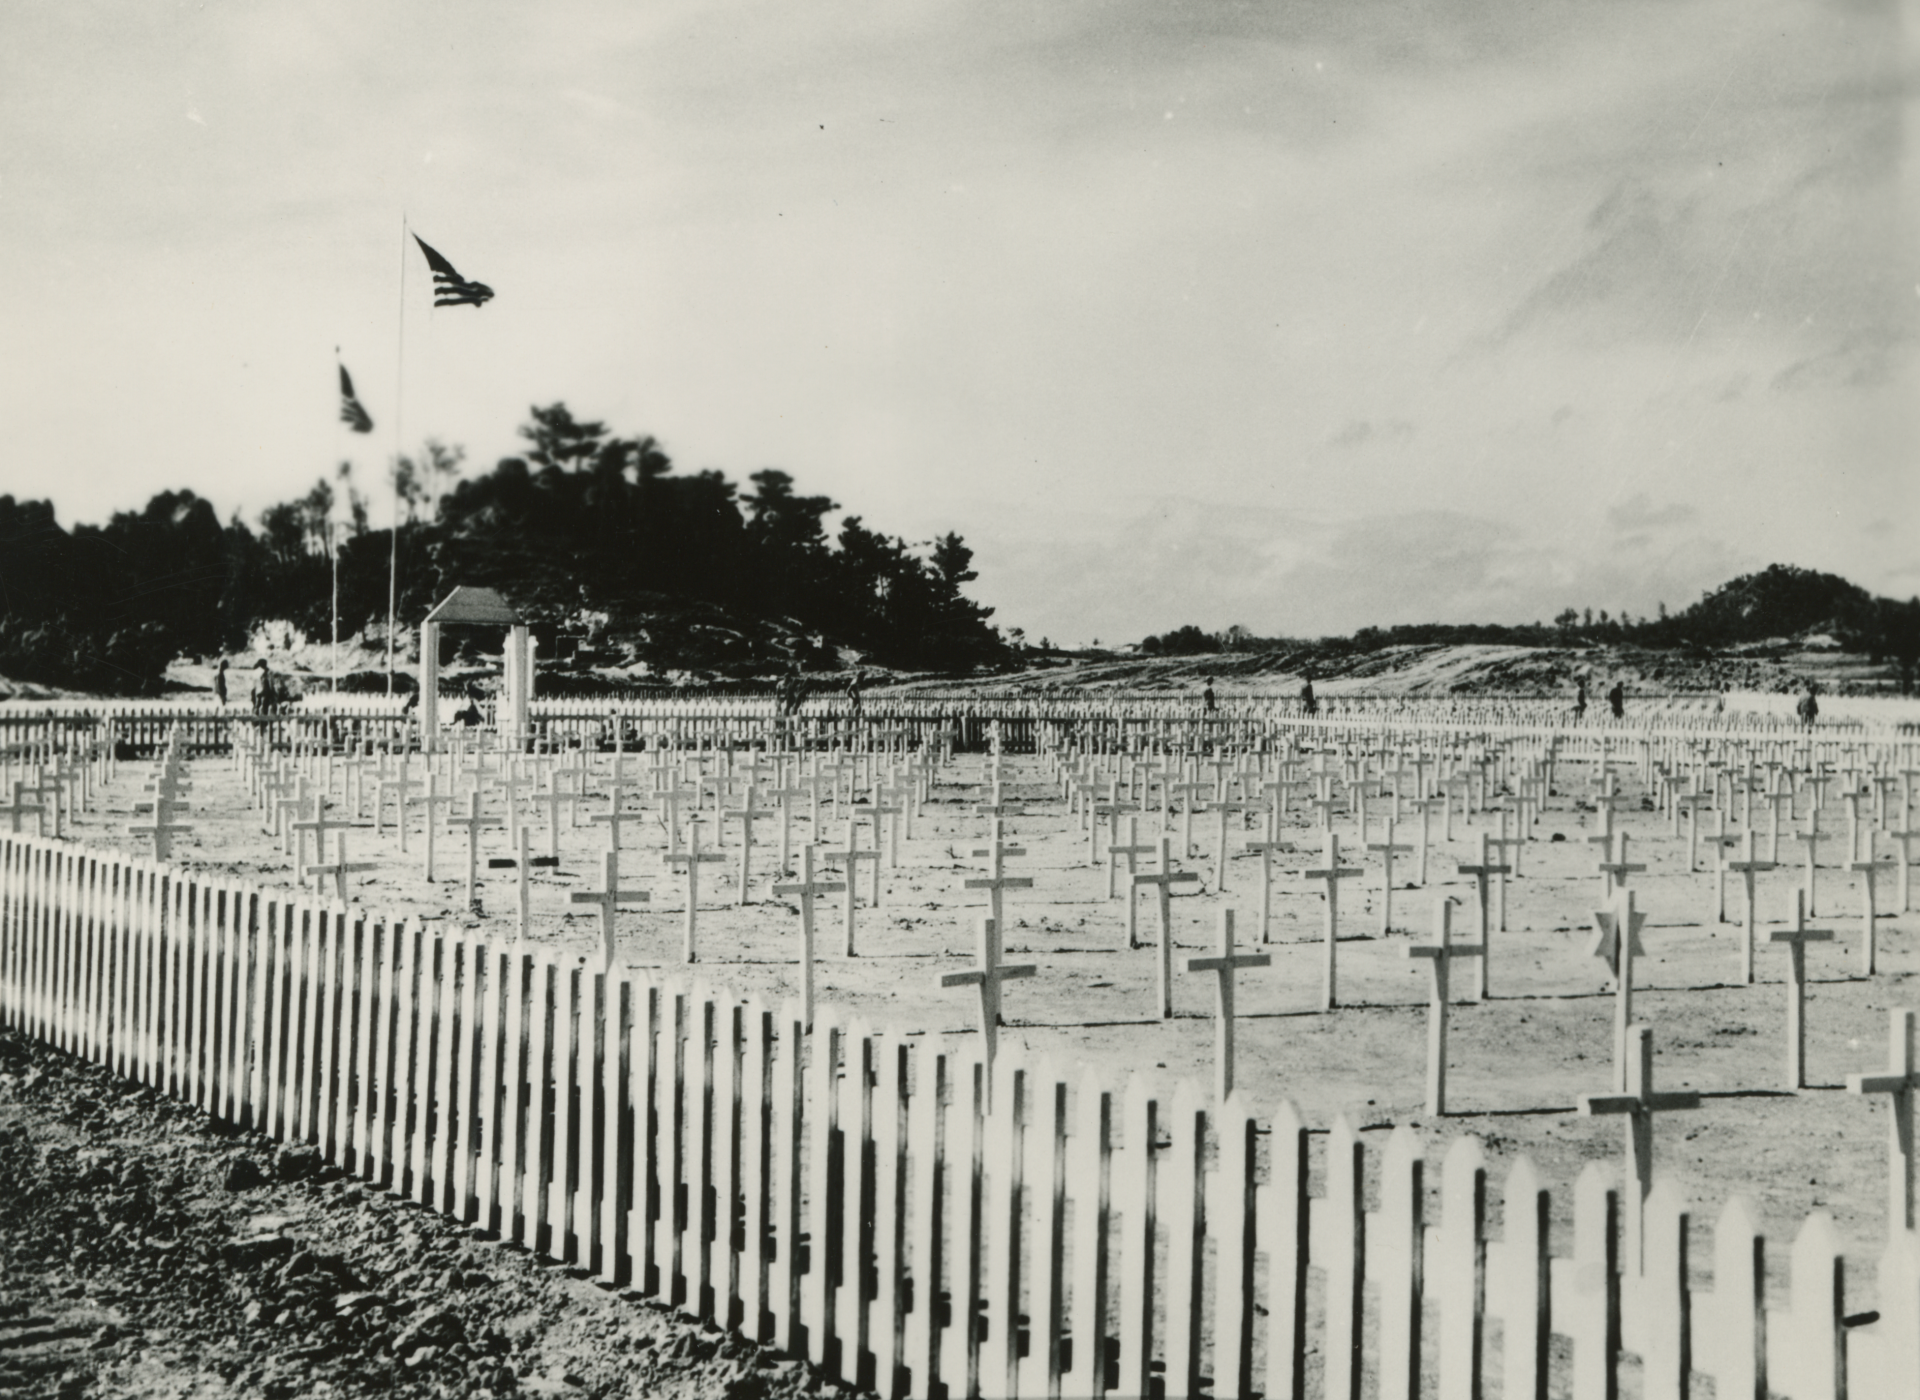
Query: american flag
x,y
352,413
449,287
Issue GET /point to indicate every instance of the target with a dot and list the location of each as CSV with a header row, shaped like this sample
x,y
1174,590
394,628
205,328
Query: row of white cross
x,y
1632,1093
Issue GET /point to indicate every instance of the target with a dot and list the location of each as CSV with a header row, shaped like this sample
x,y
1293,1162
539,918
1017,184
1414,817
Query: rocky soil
x,y
148,1251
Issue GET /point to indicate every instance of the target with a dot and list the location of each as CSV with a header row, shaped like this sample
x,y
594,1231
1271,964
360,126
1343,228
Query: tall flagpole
x,y
333,549
393,535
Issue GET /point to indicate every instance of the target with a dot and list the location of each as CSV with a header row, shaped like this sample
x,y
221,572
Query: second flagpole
x,y
393,533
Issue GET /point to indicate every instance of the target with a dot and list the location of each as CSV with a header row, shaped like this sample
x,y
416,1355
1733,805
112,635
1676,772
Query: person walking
x,y
1809,708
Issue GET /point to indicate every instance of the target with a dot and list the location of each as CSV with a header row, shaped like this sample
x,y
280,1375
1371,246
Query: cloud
x,y
1638,514
1289,573
1860,359
1362,430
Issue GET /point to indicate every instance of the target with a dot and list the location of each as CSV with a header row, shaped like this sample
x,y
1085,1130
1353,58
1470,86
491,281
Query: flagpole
x,y
333,549
399,378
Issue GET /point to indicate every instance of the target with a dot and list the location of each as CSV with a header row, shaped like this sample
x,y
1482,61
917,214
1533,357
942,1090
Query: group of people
x,y
790,691
1616,699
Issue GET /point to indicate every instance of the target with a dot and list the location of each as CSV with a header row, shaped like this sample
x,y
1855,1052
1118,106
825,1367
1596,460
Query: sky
x,y
1296,316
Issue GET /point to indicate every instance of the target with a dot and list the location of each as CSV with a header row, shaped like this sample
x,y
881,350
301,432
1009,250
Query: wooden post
x,y
1439,955
1267,850
692,858
988,976
1227,811
997,879
1482,873
340,868
473,822
807,889
1133,849
1898,1082
609,897
1866,870
1795,941
1224,964
1162,883
850,858
1811,838
1637,1105
1331,874
1749,866
1387,850
429,690
746,815
1616,942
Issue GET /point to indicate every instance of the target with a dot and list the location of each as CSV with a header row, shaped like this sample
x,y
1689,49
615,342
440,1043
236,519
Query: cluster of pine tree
x,y
594,535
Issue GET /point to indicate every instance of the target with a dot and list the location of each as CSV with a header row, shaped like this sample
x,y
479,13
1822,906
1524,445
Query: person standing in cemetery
x,y
220,683
1308,704
1206,696
853,690
1617,700
1580,699
1809,708
262,687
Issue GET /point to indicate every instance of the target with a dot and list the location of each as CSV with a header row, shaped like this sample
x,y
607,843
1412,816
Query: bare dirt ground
x,y
1518,1060
146,1251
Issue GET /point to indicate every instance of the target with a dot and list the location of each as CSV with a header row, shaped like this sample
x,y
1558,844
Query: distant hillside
x,y
1760,630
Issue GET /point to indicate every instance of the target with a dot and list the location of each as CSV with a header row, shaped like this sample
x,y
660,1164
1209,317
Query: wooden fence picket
x,y
965,1152
891,1107
537,1127
563,1156
606,1083
696,1257
1045,1177
513,1097
1396,1236
1734,1315
926,1226
1456,1271
721,1261
1233,1215
1661,1299
872,1200
481,1195
1338,1241
669,1142
1806,1342
852,1194
787,1139
817,1281
1002,1213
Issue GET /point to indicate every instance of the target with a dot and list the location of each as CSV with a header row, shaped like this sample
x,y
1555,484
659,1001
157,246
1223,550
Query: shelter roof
x,y
484,606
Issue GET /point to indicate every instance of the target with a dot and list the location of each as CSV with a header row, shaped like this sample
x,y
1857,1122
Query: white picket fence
x,y
869,1200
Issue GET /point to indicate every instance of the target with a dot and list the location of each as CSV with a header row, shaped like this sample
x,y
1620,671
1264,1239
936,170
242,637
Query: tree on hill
x,y
1181,641
1780,601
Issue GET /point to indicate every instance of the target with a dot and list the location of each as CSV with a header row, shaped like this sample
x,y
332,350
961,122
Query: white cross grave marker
x,y
1224,964
1898,1082
1439,955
